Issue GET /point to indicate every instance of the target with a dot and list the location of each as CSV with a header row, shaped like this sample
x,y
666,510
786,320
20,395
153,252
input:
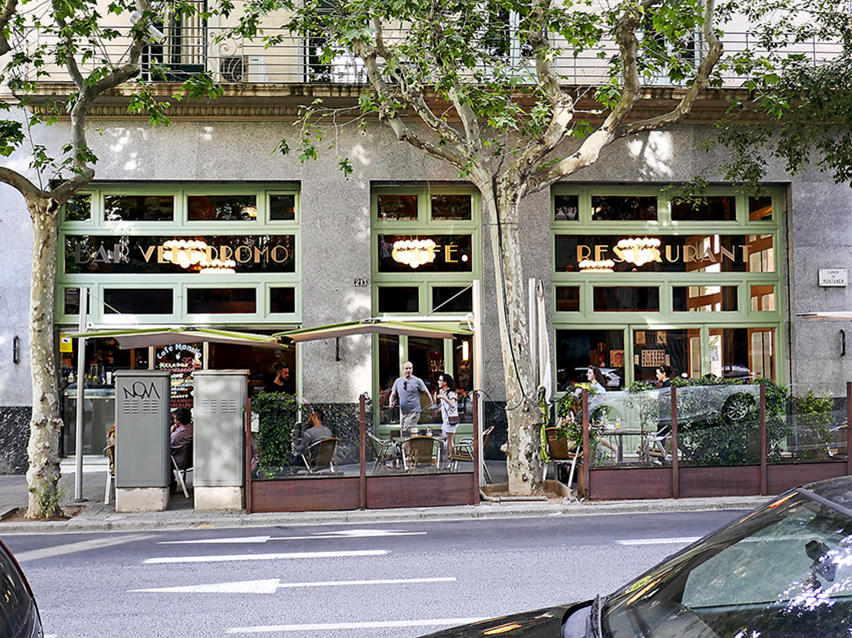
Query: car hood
x,y
542,623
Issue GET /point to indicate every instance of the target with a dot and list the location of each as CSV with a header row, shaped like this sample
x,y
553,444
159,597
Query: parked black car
x,y
784,570
19,616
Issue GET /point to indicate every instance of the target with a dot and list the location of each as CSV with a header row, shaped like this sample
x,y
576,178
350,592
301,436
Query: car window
x,y
14,597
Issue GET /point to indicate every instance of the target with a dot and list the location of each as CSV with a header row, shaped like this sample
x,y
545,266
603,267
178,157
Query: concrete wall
x,y
336,235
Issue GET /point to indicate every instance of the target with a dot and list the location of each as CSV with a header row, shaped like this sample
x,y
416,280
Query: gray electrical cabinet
x,y
220,431
142,440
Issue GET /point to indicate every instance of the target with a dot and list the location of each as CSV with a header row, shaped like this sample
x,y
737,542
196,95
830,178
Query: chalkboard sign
x,y
181,359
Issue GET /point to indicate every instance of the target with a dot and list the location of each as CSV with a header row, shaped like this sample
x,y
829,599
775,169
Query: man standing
x,y
281,382
407,390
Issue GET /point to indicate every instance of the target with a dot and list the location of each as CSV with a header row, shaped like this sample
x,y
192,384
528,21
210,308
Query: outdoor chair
x,y
463,452
421,451
561,450
320,456
384,451
109,451
181,471
656,448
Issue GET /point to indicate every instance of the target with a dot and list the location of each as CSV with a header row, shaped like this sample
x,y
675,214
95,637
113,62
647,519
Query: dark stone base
x,y
495,414
14,435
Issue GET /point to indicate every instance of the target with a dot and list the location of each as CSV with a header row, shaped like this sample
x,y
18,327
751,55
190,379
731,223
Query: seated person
x,y
179,439
315,433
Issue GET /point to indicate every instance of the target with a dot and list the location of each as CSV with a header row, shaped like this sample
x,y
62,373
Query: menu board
x,y
181,359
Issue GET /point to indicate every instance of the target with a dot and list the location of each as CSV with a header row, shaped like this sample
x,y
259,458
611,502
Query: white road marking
x,y
238,557
353,533
659,541
446,622
82,546
270,586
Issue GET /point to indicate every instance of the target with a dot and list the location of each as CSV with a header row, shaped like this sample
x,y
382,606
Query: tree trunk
x,y
45,426
523,451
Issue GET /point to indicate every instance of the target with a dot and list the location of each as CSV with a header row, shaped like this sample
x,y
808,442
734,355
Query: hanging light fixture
x,y
185,254
588,265
218,267
639,250
414,252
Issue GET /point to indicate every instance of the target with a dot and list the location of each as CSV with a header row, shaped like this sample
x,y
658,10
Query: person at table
x,y
664,381
448,400
406,392
180,436
281,382
316,432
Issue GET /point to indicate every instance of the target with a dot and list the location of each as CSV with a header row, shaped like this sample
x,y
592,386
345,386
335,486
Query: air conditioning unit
x,y
256,69
243,68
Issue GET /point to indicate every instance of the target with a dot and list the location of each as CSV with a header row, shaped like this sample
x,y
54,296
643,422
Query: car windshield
x,y
784,570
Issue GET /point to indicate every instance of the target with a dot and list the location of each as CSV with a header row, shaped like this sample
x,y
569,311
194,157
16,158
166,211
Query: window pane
x,y
282,207
568,299
397,207
691,253
760,209
449,207
763,298
388,372
429,253
282,300
576,350
222,207
170,254
730,355
398,299
627,298
621,208
138,301
566,208
78,208
704,298
139,208
679,349
452,299
221,300
710,209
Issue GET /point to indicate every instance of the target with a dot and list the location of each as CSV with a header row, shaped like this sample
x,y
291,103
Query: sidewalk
x,y
181,515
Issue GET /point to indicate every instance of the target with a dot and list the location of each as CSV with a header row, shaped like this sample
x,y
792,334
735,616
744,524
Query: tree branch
x,y
21,183
6,16
702,80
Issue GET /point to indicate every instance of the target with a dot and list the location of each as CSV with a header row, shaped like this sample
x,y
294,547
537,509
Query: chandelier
x,y
588,265
414,252
185,254
218,267
639,251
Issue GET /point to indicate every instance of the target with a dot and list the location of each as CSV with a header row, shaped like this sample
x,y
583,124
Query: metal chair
x,y
463,452
109,451
180,471
421,451
320,456
384,451
656,448
560,450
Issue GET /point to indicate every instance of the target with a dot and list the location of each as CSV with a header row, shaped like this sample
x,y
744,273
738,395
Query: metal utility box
x,y
219,469
141,440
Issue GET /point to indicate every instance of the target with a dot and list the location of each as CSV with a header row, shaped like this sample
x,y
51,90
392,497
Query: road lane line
x,y
355,533
239,557
446,622
82,546
659,541
272,585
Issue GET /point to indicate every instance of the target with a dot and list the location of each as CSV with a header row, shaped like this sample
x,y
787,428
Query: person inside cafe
x,y
316,432
281,382
180,438
406,392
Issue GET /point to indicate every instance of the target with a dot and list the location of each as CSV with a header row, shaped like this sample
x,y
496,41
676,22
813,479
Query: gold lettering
x,y
727,253
449,251
657,256
161,255
745,252
709,255
690,253
619,254
669,257
583,252
239,251
261,255
226,252
212,254
147,252
274,254
600,252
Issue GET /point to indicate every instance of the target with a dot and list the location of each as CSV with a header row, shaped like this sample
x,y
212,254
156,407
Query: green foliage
x,y
814,416
569,416
49,497
277,414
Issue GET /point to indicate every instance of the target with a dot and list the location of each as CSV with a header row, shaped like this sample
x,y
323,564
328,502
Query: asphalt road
x,y
338,581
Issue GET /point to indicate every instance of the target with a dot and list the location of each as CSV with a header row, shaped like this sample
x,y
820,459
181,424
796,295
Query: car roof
x,y
837,490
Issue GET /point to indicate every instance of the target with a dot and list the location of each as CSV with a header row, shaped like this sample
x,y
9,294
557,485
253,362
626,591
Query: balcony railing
x,y
191,48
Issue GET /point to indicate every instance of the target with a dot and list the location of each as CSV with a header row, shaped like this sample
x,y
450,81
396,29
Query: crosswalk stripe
x,y
447,622
284,556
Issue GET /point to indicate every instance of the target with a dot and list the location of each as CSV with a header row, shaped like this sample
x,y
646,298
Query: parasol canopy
x,y
144,337
371,326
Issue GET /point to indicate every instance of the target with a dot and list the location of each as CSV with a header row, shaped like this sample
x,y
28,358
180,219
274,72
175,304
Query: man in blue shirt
x,y
406,391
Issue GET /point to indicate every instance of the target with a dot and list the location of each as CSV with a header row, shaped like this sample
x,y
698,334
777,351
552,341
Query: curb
x,y
101,518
